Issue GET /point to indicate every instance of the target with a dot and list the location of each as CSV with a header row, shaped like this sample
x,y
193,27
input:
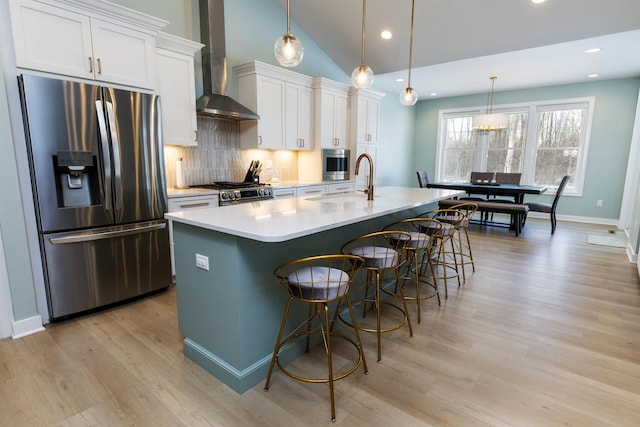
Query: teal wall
x,y
613,120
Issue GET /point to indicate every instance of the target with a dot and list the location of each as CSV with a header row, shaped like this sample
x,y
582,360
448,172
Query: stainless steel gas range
x,y
232,193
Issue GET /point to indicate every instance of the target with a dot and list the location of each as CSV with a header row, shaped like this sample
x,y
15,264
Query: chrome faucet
x,y
369,190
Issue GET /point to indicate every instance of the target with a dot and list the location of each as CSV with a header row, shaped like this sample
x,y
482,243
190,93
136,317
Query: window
x,y
544,141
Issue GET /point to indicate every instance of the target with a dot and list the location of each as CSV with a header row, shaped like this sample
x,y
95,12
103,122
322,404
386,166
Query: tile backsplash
x,y
218,157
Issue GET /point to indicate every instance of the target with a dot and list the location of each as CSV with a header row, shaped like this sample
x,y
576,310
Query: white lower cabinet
x,y
284,193
341,187
185,203
311,190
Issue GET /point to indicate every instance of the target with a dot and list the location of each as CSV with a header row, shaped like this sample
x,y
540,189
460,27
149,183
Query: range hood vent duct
x,y
214,102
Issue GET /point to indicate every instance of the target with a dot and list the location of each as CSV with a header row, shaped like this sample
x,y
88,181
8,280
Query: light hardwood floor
x,y
545,333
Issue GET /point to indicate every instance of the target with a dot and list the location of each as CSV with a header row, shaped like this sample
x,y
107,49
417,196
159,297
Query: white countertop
x,y
188,192
285,219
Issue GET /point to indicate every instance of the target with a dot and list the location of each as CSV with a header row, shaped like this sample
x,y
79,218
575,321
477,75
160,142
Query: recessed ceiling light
x,y
537,1
593,50
591,76
400,80
386,34
433,94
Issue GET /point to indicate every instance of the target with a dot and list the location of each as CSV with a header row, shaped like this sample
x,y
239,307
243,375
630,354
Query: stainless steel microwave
x,y
335,164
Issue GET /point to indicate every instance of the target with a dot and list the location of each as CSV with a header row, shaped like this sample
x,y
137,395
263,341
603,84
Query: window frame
x,y
533,110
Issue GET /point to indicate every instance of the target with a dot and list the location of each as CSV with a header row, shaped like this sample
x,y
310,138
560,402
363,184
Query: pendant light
x,y
409,96
362,76
288,49
490,122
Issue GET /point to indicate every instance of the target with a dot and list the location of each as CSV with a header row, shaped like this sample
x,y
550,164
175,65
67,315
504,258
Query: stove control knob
x,y
224,195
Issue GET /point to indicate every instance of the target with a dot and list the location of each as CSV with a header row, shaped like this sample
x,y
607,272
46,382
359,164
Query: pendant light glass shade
x,y
288,48
409,96
490,122
362,76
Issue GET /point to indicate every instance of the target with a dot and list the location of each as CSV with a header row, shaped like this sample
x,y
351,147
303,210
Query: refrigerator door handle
x,y
117,168
106,156
89,236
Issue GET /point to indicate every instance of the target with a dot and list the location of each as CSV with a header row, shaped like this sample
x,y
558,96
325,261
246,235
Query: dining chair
x,y
506,178
423,179
549,208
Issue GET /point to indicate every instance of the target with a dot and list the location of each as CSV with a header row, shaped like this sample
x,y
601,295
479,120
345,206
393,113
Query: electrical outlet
x,y
202,262
599,203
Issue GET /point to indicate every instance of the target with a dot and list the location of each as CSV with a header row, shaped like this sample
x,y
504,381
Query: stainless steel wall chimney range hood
x,y
214,102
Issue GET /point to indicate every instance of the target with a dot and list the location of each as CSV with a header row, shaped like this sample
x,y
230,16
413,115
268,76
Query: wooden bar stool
x,y
382,253
418,252
317,281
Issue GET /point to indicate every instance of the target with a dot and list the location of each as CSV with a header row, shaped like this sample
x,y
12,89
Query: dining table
x,y
517,191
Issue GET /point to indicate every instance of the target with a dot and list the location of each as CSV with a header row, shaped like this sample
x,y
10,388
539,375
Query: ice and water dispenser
x,y
77,178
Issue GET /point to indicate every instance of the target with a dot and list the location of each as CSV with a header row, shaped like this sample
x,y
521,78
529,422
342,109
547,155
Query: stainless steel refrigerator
x,y
97,172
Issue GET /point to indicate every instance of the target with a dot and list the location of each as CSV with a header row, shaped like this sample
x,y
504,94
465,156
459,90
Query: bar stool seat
x,y
381,253
317,281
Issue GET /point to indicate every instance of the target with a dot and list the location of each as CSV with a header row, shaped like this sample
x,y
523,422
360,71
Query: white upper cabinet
x,y
177,88
282,99
331,113
299,117
98,41
266,96
365,113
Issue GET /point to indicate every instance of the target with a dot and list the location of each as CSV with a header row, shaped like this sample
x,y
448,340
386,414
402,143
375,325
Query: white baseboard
x,y
573,218
28,326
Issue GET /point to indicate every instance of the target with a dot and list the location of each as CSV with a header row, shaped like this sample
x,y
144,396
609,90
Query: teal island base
x,y
230,314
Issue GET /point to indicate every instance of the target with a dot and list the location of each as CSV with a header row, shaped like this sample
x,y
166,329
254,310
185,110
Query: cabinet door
x,y
51,39
298,117
123,55
176,83
271,101
333,120
341,111
368,116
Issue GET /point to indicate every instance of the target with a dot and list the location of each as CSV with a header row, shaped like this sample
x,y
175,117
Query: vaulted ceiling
x,y
459,44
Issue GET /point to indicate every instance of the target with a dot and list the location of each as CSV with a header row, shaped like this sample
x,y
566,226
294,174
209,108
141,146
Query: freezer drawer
x,y
94,268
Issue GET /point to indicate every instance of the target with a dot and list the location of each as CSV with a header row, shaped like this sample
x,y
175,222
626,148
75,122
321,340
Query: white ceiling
x,y
459,44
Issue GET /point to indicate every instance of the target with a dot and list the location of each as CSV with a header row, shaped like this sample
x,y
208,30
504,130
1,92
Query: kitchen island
x,y
229,304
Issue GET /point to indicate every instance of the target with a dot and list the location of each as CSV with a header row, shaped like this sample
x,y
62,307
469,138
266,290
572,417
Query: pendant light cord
x,y
493,82
413,3
364,14
288,19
